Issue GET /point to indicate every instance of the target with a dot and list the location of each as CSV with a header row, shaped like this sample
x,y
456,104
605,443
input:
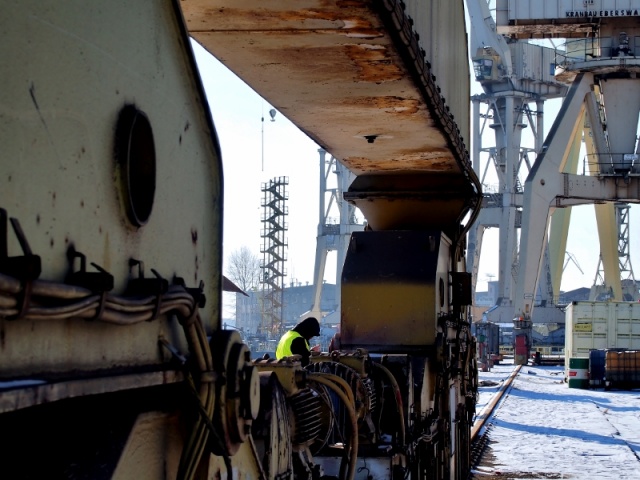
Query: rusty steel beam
x,y
355,77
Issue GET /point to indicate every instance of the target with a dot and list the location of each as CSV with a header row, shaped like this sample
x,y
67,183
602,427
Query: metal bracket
x,y
196,292
97,282
26,267
144,287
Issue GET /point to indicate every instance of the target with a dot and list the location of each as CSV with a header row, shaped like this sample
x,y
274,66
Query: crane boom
x,y
485,36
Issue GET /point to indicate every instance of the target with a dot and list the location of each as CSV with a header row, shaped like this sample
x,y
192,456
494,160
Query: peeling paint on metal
x,y
390,104
373,63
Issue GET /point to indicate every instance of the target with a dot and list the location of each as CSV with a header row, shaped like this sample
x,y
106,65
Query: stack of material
x,y
597,366
622,369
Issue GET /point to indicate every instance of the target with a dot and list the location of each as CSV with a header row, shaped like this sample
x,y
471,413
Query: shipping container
x,y
622,369
487,333
600,326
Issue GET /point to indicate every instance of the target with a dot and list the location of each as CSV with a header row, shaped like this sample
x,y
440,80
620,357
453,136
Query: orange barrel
x,y
578,373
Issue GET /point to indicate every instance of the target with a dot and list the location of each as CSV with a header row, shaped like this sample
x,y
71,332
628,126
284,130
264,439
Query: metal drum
x,y
578,373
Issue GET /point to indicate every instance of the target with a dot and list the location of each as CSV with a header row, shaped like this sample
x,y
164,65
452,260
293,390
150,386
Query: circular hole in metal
x,y
136,155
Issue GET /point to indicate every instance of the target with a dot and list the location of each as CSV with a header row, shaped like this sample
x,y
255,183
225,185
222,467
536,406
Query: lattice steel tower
x,y
274,245
513,75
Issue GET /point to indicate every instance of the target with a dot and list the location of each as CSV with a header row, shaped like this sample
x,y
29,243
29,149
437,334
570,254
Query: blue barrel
x,y
596,368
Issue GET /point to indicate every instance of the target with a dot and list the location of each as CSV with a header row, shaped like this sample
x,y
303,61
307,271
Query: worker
x,y
296,340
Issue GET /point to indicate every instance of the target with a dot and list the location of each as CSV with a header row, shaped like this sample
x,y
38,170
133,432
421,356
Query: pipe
x,y
195,446
343,383
353,446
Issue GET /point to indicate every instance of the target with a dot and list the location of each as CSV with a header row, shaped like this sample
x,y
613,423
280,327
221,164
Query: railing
x,y
592,48
610,163
492,200
548,350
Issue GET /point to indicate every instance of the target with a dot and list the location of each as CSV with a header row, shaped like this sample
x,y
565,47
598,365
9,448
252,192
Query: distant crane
x,y
571,258
600,60
618,281
513,75
332,236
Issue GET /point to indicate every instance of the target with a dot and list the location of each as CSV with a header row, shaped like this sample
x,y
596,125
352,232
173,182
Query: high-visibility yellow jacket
x,y
284,345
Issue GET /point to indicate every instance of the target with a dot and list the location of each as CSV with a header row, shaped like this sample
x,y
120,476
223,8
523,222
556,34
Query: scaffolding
x,y
274,246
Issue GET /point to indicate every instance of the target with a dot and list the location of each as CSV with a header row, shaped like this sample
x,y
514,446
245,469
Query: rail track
x,y
482,426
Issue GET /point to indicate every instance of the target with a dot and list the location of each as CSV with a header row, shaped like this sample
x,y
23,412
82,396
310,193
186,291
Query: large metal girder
x,y
562,19
352,75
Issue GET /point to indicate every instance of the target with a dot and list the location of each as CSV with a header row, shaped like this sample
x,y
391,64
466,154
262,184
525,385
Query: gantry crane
x,y
599,59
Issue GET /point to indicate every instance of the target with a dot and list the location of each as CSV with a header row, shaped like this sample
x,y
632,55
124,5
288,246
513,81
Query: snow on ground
x,y
544,429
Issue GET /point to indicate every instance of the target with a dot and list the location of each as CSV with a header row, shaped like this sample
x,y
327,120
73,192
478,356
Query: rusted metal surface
x,y
526,19
353,75
333,69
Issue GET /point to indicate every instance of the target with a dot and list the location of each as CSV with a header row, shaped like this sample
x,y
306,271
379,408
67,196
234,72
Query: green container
x,y
578,373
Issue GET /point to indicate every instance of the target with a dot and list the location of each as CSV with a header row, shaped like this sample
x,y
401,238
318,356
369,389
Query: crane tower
x,y
517,78
333,234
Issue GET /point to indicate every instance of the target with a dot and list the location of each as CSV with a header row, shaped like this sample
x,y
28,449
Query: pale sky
x,y
237,111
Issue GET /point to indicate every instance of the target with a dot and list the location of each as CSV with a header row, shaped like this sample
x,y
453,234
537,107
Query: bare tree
x,y
243,268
